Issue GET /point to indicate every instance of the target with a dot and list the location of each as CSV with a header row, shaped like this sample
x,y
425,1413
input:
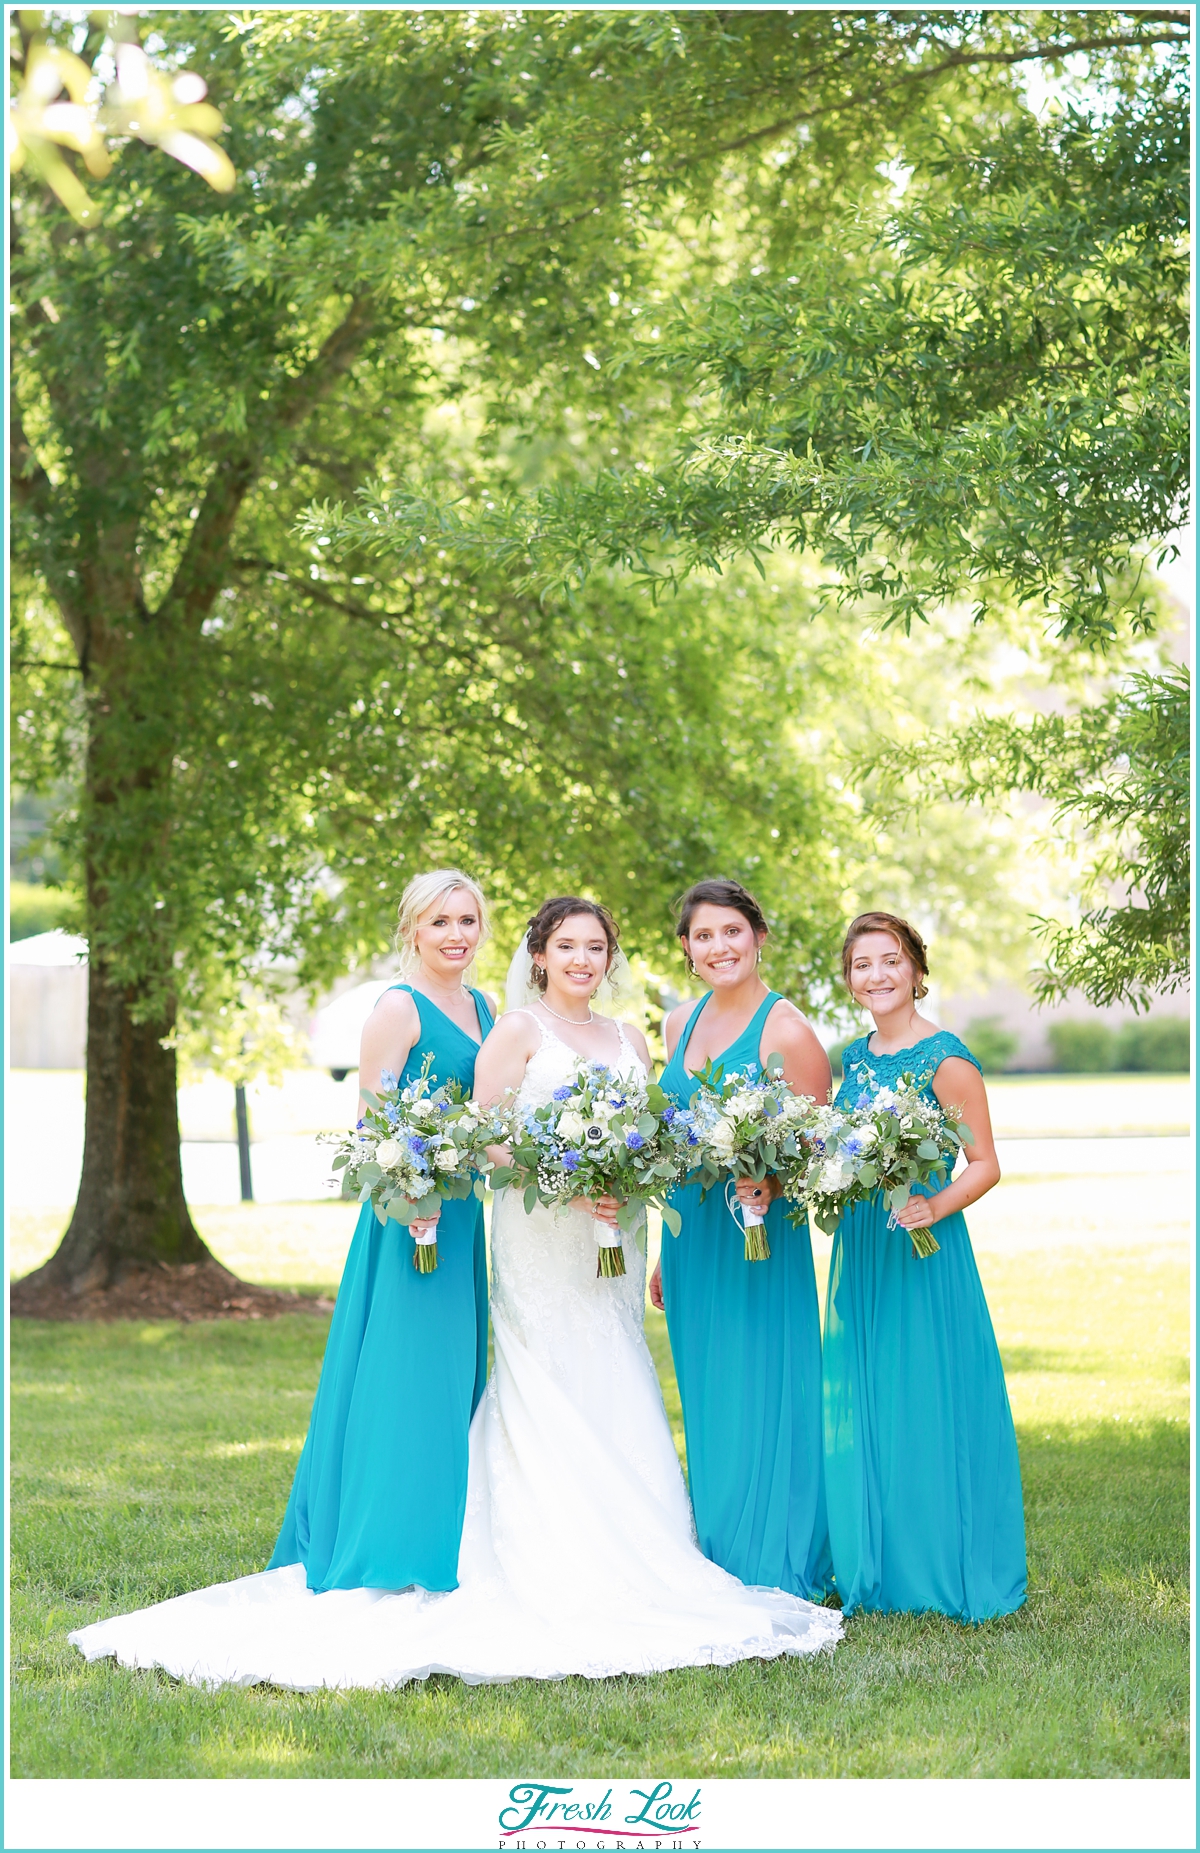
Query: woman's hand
x,y
757,1196
422,1225
604,1209
656,1297
918,1213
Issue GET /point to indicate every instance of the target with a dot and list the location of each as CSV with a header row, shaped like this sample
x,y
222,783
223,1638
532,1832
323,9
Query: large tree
x,y
432,210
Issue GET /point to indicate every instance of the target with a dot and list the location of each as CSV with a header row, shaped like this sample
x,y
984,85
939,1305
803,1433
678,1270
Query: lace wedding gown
x,y
578,1552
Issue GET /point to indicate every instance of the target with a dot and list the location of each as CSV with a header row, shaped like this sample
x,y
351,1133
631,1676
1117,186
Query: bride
x,y
578,1552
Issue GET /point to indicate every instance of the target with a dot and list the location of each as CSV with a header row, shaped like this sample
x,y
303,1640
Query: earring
x,y
692,967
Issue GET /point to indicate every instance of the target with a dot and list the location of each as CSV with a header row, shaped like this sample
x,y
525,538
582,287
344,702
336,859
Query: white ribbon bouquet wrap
x,y
414,1148
749,1124
602,1135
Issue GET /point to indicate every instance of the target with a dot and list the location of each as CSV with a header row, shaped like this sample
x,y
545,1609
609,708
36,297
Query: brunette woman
x,y
921,1470
745,1336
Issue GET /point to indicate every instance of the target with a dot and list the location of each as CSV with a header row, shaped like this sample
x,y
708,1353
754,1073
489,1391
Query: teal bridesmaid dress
x,y
746,1340
921,1469
381,1484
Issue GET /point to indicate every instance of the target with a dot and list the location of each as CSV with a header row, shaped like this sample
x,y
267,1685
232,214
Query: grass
x,y
149,1459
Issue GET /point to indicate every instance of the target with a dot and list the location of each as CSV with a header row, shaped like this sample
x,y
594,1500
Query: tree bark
x,y
131,1210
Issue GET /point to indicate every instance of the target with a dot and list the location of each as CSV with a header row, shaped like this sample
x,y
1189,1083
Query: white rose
x,y
723,1135
424,1110
570,1126
389,1153
831,1175
865,1136
446,1158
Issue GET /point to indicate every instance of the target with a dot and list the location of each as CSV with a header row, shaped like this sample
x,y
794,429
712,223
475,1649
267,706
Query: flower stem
x,y
425,1257
757,1246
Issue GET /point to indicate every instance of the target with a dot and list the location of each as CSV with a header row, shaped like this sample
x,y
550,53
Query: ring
x,y
758,1193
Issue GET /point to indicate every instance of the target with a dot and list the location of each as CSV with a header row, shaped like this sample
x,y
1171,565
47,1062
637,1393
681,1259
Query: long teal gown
x,y
381,1484
921,1469
746,1340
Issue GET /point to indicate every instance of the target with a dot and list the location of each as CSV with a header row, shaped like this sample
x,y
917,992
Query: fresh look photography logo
x,y
559,1815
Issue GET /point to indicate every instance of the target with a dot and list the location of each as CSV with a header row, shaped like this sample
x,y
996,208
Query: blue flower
x,y
570,1161
387,1078
668,1115
359,1124
563,1093
864,1100
634,1139
853,1145
691,1138
416,1144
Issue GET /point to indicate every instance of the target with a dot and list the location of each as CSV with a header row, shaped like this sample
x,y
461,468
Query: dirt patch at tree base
x,y
198,1290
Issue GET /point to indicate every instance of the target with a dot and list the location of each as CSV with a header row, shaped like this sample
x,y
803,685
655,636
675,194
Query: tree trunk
x,y
131,1210
130,1213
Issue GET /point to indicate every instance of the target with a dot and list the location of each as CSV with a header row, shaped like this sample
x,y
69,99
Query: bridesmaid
x,y
745,1336
921,1469
381,1484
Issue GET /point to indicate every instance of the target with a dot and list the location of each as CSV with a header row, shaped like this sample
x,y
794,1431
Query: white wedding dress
x,y
578,1551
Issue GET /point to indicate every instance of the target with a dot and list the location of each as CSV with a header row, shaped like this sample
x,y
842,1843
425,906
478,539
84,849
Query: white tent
x,y
47,1001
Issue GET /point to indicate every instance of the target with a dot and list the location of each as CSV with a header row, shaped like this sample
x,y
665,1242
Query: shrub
x,y
1082,1046
992,1045
34,909
1154,1045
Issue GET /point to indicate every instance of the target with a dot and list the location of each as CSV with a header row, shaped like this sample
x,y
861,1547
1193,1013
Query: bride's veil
x,y
618,992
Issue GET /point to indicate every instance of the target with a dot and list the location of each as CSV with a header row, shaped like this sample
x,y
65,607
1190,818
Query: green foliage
x,y
1155,1045
994,1045
1082,1045
1118,774
446,227
979,387
152,1459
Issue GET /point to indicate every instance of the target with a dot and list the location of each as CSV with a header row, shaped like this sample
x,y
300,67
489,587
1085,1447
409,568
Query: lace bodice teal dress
x,y
746,1340
381,1485
921,1473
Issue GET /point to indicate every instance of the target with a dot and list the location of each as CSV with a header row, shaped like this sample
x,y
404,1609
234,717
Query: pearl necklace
x,y
579,1021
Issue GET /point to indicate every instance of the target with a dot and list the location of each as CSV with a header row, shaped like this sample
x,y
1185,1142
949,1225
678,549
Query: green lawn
x,y
148,1459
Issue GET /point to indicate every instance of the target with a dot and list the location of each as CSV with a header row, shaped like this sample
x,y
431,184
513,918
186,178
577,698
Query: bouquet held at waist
x,y
601,1135
415,1147
749,1124
890,1140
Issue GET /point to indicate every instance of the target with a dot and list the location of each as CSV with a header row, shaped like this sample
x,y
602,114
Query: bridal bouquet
x,y
414,1147
602,1135
750,1124
888,1141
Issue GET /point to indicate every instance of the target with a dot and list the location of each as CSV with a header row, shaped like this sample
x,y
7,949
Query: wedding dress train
x,y
578,1552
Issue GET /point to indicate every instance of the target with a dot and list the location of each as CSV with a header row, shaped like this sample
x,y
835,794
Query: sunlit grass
x,y
148,1460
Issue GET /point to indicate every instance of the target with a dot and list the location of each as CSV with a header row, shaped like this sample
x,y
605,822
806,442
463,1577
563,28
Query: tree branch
x,y
926,73
198,576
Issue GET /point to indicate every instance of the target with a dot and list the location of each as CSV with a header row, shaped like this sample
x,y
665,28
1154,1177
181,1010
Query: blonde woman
x,y
378,1498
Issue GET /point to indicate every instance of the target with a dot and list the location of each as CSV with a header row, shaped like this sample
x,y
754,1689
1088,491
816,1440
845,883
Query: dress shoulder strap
x,y
681,1046
483,1011
946,1043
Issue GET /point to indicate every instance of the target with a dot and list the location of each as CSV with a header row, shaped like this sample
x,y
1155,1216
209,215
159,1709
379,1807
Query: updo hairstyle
x,y
424,892
550,916
719,894
911,944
